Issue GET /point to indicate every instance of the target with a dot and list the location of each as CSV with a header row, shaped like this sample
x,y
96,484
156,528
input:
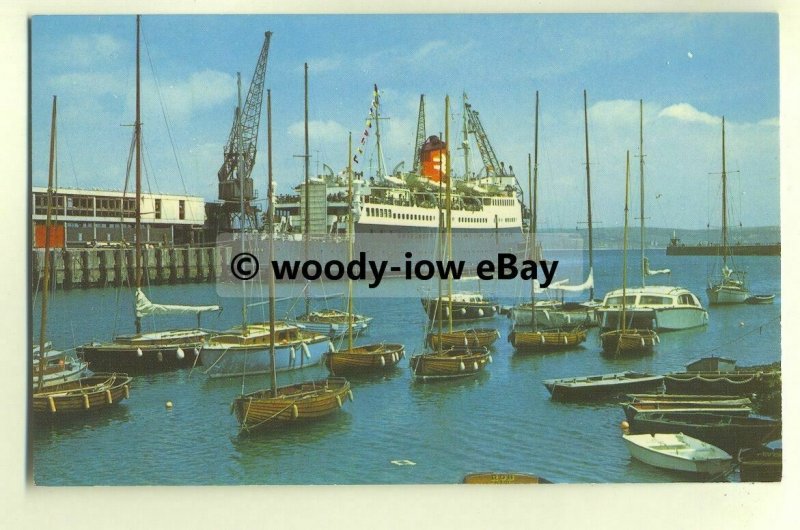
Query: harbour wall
x,y
79,268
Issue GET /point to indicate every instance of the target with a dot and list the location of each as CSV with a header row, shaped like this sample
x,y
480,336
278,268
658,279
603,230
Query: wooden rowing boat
x,y
678,452
84,396
546,340
688,399
491,477
760,299
761,464
364,359
632,409
728,432
300,402
449,364
600,386
626,341
464,338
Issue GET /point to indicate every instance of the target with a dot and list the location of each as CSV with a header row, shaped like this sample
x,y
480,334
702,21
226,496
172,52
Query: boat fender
x,y
331,348
566,341
446,311
642,341
108,397
463,311
383,361
350,395
307,353
291,353
86,401
465,341
461,366
127,392
139,352
160,356
394,358
541,337
490,359
658,339
475,366
339,401
295,412
497,333
179,353
402,354
52,403
196,352
480,312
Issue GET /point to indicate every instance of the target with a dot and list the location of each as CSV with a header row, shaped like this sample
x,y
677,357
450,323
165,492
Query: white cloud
x,y
319,131
686,112
84,50
202,90
323,64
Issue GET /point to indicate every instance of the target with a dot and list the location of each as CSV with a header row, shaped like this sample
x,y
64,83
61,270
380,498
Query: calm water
x,y
501,421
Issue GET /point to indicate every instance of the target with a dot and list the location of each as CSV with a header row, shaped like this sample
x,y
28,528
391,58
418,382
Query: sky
x,y
689,69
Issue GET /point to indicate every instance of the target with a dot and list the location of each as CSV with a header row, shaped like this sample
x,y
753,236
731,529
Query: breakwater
x,y
77,268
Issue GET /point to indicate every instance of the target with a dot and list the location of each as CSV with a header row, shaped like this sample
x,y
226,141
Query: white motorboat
x,y
656,307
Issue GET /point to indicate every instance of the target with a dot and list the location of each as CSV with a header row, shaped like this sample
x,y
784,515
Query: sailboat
x,y
154,351
331,322
369,357
731,287
450,363
660,307
624,339
279,406
66,395
252,349
535,339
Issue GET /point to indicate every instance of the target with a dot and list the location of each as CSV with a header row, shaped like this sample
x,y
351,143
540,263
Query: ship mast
x,y
137,132
641,188
588,191
350,241
533,206
381,171
46,285
625,241
307,191
271,231
724,203
448,207
241,175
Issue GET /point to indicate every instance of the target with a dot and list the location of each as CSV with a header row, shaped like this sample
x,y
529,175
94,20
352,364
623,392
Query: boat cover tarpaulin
x,y
145,307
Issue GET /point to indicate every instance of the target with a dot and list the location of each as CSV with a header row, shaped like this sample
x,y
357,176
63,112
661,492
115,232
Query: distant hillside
x,y
611,237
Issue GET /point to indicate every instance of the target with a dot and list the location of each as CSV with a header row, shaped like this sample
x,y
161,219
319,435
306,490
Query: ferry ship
x,y
400,213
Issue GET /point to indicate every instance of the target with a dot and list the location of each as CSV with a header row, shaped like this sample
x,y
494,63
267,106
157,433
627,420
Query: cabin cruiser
x,y
656,307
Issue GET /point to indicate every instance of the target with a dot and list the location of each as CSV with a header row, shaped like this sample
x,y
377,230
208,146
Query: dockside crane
x,y
495,172
420,139
244,133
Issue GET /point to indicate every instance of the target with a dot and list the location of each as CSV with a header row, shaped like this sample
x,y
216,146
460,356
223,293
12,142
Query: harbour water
x,y
396,431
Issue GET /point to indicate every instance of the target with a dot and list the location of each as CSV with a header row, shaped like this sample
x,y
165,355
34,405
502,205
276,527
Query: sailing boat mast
x,y
465,141
240,175
350,241
532,192
724,203
46,286
641,187
307,227
137,132
625,241
271,231
588,190
448,209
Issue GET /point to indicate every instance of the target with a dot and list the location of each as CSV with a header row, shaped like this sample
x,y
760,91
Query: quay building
x,y
100,218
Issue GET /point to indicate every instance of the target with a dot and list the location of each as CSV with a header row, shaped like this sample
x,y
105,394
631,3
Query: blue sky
x,y
690,69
